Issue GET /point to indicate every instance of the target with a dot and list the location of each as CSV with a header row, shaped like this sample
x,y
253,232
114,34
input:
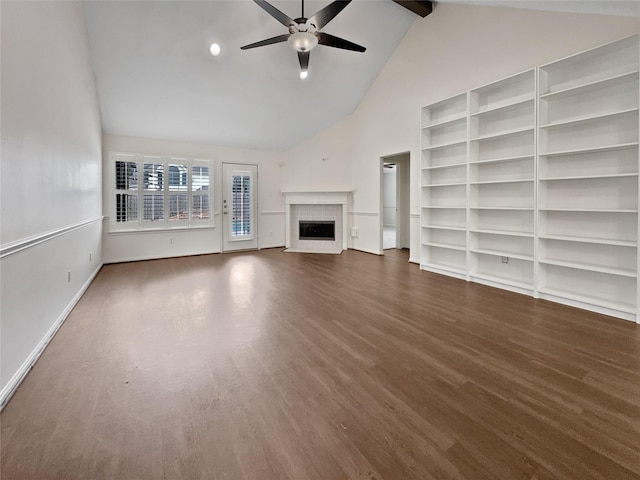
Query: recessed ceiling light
x,y
214,49
304,74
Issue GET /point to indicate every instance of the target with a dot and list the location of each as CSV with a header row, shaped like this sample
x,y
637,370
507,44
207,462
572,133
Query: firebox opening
x,y
317,230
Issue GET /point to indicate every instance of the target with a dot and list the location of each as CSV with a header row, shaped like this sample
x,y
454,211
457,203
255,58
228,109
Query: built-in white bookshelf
x,y
502,182
530,183
444,186
588,179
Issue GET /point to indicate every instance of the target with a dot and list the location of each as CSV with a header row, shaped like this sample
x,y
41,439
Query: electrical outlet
x,y
69,276
505,259
271,234
89,257
170,240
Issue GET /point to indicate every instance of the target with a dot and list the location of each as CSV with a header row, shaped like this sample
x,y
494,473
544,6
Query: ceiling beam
x,y
419,7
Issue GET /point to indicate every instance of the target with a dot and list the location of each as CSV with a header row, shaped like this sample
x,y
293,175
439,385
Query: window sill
x,y
160,230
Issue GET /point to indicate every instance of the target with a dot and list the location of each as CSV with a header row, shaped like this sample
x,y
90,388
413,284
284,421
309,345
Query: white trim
x,y
15,381
363,214
275,212
157,257
366,250
20,245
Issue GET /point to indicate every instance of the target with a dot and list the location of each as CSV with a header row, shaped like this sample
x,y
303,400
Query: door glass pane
x,y
241,206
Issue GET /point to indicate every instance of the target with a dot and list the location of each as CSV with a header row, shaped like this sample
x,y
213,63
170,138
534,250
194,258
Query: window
x,y
173,192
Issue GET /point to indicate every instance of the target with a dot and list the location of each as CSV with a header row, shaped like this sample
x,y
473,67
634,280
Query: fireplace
x,y
317,230
324,212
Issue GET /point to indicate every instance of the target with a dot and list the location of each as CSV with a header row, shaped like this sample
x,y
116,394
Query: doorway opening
x,y
394,196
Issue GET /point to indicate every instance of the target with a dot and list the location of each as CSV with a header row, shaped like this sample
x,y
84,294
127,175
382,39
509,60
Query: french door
x,y
239,211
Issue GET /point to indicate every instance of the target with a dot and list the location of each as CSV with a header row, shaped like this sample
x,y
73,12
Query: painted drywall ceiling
x,y
156,78
602,7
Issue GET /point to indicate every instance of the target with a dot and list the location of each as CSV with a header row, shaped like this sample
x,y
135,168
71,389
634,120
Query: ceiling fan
x,y
304,33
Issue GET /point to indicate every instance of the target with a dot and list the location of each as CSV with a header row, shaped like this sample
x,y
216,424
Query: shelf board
x,y
590,177
504,133
503,159
445,245
524,209
443,206
594,210
445,227
448,268
445,145
506,281
589,118
504,105
452,165
623,272
599,241
595,85
431,185
596,301
578,151
498,253
442,123
509,233
489,182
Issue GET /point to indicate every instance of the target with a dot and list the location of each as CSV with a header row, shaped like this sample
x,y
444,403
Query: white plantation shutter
x,y
200,191
160,192
153,174
126,186
241,206
178,187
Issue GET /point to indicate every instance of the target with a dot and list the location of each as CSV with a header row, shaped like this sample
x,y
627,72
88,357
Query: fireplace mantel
x,y
340,198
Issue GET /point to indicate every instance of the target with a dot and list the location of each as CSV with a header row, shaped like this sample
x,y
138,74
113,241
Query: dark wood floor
x,y
270,365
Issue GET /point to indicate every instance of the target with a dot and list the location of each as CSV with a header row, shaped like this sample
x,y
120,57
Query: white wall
x,y
123,246
456,48
51,185
389,196
321,163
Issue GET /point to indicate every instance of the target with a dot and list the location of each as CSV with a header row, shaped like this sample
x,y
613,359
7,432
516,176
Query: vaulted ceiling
x,y
156,78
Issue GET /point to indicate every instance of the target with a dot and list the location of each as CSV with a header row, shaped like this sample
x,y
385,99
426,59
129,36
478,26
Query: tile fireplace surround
x,y
313,206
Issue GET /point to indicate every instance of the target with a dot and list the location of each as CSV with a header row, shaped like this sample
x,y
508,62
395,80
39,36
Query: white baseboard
x,y
13,384
365,250
414,260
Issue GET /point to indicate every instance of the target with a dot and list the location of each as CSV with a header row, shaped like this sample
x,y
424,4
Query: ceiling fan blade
x,y
328,13
268,41
303,57
337,42
275,13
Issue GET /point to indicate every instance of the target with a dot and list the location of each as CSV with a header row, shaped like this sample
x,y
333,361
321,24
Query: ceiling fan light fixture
x,y
302,41
304,74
